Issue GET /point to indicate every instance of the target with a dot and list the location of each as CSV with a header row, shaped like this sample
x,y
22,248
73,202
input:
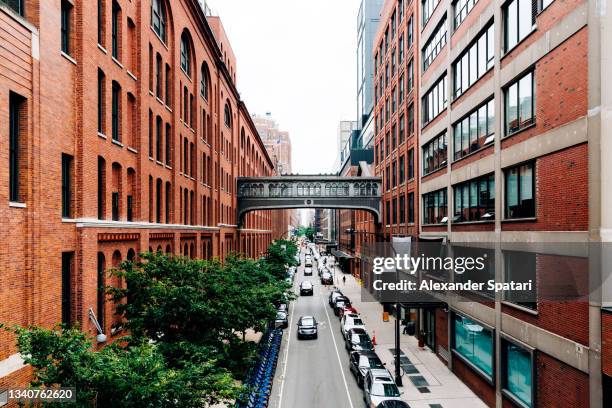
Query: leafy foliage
x,y
187,321
309,232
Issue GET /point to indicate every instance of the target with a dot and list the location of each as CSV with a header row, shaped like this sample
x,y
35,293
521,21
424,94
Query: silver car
x,y
378,386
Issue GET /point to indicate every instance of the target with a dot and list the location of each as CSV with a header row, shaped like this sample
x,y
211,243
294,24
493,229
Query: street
x,y
314,373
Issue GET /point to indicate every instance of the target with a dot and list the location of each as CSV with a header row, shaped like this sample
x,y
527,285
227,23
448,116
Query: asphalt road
x,y
314,373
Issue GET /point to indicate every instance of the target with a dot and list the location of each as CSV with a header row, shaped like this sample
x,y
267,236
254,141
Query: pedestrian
x,y
344,280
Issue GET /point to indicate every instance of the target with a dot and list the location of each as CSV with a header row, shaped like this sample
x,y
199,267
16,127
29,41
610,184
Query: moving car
x,y
350,321
308,271
378,386
307,327
281,320
306,288
340,302
361,361
327,279
358,340
333,295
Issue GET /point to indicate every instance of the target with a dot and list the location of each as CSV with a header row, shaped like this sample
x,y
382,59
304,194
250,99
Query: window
x,y
168,78
115,205
521,266
402,170
186,55
519,21
387,179
435,207
387,74
517,373
474,131
158,201
66,186
67,258
387,113
409,32
101,290
205,81
428,7
101,102
227,116
520,191
116,31
411,208
101,188
158,76
394,100
15,5
130,208
388,212
402,209
400,46
17,118
116,112
393,64
434,45
410,71
410,120
159,131
101,22
410,164
65,26
475,61
474,343
394,210
434,101
402,129
158,18
400,9
475,199
401,89
168,144
462,9
394,174
434,154
520,104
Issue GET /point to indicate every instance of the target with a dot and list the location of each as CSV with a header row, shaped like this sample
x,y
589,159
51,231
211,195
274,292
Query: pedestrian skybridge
x,y
315,191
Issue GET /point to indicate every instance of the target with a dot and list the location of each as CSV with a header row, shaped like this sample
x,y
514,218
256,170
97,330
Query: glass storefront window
x,y
517,372
474,343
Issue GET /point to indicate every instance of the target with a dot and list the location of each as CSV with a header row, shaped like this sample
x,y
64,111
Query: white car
x,y
350,321
308,271
378,386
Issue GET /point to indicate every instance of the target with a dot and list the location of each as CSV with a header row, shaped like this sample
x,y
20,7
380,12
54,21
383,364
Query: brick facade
x,y
156,134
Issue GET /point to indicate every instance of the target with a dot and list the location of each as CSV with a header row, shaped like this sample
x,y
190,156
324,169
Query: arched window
x,y
228,115
204,81
131,255
158,18
186,54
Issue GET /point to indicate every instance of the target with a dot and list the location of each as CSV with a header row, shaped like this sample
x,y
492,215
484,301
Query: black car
x,y
339,303
333,295
393,404
306,288
307,327
357,339
361,361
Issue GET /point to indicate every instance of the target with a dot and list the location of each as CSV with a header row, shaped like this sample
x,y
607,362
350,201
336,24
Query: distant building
x,y
278,145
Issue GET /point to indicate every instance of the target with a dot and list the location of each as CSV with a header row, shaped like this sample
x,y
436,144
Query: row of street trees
x,y
185,320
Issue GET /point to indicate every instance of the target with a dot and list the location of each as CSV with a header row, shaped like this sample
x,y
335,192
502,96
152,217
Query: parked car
x,y
361,361
333,295
350,321
308,271
282,307
378,386
281,320
393,404
307,327
306,288
340,302
357,339
346,309
327,279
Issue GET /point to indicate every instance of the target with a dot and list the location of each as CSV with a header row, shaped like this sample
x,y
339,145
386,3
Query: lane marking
x,y
348,394
285,363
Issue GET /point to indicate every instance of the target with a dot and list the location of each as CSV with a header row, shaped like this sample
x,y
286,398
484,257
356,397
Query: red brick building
x,y
121,131
506,150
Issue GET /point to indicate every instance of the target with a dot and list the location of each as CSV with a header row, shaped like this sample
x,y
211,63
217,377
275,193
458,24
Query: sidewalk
x,y
438,387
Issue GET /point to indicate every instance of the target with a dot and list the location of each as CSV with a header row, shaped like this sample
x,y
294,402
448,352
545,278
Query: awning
x,y
341,254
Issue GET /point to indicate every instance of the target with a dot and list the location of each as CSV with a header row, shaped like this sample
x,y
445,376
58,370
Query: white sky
x,y
296,59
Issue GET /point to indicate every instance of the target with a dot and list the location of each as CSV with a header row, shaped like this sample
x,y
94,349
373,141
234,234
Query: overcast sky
x,y
296,59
